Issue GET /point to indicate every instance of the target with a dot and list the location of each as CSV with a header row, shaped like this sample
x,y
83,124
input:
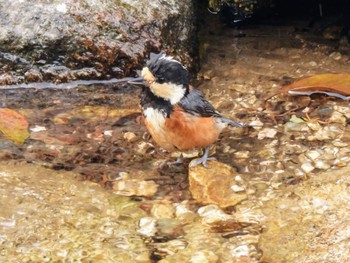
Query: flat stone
x,y
135,187
213,185
267,133
165,210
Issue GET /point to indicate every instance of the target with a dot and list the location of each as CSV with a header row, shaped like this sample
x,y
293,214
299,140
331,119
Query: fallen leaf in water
x,y
336,85
13,125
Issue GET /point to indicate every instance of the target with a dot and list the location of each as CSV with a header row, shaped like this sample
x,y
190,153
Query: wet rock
x,y
336,55
326,133
33,75
54,139
267,133
212,214
307,167
171,247
267,152
295,127
184,213
163,210
256,124
90,39
144,148
242,154
147,226
313,154
135,187
339,143
169,228
204,256
8,150
320,164
338,117
130,137
214,185
37,128
309,218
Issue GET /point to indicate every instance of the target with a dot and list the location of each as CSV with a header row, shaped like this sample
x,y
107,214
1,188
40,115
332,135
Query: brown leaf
x,y
13,125
337,85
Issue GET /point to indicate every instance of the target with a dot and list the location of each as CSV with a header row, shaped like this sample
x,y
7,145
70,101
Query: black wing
x,y
196,104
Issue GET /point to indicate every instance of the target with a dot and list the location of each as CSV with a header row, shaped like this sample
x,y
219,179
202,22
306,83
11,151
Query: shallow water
x,y
49,216
96,132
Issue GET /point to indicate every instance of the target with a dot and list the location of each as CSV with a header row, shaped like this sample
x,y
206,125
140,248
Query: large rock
x,y
219,184
46,40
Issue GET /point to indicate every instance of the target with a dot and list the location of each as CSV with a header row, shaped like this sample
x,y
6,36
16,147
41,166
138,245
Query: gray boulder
x,y
62,40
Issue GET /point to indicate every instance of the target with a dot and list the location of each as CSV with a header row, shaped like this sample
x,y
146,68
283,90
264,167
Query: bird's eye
x,y
160,79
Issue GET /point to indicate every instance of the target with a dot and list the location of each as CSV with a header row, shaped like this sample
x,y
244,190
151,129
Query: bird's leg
x,y
203,160
179,160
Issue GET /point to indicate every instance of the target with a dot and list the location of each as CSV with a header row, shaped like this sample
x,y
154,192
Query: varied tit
x,y
177,115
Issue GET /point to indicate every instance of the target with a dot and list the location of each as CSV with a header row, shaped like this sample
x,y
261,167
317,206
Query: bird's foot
x,y
202,161
179,160
171,166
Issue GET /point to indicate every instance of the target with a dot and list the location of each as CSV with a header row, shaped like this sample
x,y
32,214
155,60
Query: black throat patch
x,y
149,100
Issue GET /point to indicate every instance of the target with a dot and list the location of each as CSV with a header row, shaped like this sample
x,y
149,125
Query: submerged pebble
x,y
137,187
166,210
212,214
267,133
130,137
307,167
147,226
320,164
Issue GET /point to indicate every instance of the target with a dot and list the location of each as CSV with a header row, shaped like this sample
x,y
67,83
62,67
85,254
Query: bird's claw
x,y
202,161
178,161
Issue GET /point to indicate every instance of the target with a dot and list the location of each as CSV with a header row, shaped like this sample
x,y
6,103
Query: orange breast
x,y
186,131
182,130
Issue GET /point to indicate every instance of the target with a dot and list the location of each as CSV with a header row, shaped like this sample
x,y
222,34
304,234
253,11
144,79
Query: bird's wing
x,y
196,104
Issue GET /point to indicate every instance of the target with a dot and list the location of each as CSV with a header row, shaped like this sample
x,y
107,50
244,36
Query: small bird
x,y
176,114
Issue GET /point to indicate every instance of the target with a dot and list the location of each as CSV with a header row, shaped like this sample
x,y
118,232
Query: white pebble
x,y
267,133
237,188
307,167
313,155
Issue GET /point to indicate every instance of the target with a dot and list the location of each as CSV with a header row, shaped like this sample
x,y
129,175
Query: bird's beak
x,y
137,81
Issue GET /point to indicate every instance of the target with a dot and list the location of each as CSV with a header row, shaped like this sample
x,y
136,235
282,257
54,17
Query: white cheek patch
x,y
155,118
168,91
178,92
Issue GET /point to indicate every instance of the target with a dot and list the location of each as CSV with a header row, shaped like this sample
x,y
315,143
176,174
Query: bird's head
x,y
165,77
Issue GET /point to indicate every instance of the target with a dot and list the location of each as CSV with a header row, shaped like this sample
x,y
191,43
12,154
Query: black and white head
x,y
166,77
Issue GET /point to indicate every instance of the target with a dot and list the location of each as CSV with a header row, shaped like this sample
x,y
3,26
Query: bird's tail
x,y
232,122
